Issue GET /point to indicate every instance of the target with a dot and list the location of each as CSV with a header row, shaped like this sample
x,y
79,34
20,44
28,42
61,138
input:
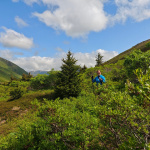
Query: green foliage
x,y
6,88
147,45
136,60
118,72
112,119
83,69
68,83
124,122
99,60
143,46
43,81
26,77
12,78
40,82
4,92
19,83
52,78
142,89
8,69
17,92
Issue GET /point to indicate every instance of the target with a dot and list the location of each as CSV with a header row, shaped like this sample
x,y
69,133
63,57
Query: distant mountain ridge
x,y
8,69
143,46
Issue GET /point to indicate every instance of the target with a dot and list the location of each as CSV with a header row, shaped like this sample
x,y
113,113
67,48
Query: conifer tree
x,y
82,69
99,60
68,82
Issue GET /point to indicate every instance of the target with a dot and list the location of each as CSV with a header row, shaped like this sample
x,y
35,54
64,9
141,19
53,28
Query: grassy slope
x,y
8,69
14,116
141,46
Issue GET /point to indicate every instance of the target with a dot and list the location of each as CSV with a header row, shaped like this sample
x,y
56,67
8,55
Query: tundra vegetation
x,y
65,110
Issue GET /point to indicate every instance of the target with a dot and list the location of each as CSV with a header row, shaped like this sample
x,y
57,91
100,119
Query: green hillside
x,y
143,46
8,69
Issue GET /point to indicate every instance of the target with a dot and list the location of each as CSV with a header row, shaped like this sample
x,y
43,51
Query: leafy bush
x,y
19,83
135,60
44,81
17,92
142,89
111,119
26,77
147,45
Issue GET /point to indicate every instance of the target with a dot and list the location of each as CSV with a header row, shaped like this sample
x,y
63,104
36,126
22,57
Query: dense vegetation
x,y
68,80
115,115
143,46
9,69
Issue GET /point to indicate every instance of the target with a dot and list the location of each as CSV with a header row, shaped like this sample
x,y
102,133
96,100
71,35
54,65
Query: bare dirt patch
x,y
15,108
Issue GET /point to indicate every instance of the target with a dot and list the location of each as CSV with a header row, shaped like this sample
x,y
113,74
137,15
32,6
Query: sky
x,y
37,34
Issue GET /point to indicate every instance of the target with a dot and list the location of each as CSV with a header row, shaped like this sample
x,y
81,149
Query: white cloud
x,y
37,63
20,22
75,17
139,10
47,63
88,59
7,54
11,38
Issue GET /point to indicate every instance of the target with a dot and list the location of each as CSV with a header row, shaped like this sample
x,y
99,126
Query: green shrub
x,y
142,89
44,81
147,45
135,60
17,92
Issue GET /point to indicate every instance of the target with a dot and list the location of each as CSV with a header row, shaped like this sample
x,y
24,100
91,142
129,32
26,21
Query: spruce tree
x,y
82,69
99,60
68,82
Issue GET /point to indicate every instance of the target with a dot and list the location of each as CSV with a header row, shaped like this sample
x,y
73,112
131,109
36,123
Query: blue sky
x,y
37,34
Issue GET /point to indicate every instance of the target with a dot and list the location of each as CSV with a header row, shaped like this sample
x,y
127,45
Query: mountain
x,y
143,46
34,73
8,69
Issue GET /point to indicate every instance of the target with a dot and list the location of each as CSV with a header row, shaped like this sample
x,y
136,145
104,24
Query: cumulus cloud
x,y
37,63
139,10
20,22
88,59
7,54
11,38
75,17
47,63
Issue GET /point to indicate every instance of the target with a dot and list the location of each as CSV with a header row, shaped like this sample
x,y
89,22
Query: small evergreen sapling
x,y
99,60
68,82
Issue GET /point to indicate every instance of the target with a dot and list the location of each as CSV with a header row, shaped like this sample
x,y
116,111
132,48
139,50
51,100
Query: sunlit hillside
x,y
143,46
8,69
